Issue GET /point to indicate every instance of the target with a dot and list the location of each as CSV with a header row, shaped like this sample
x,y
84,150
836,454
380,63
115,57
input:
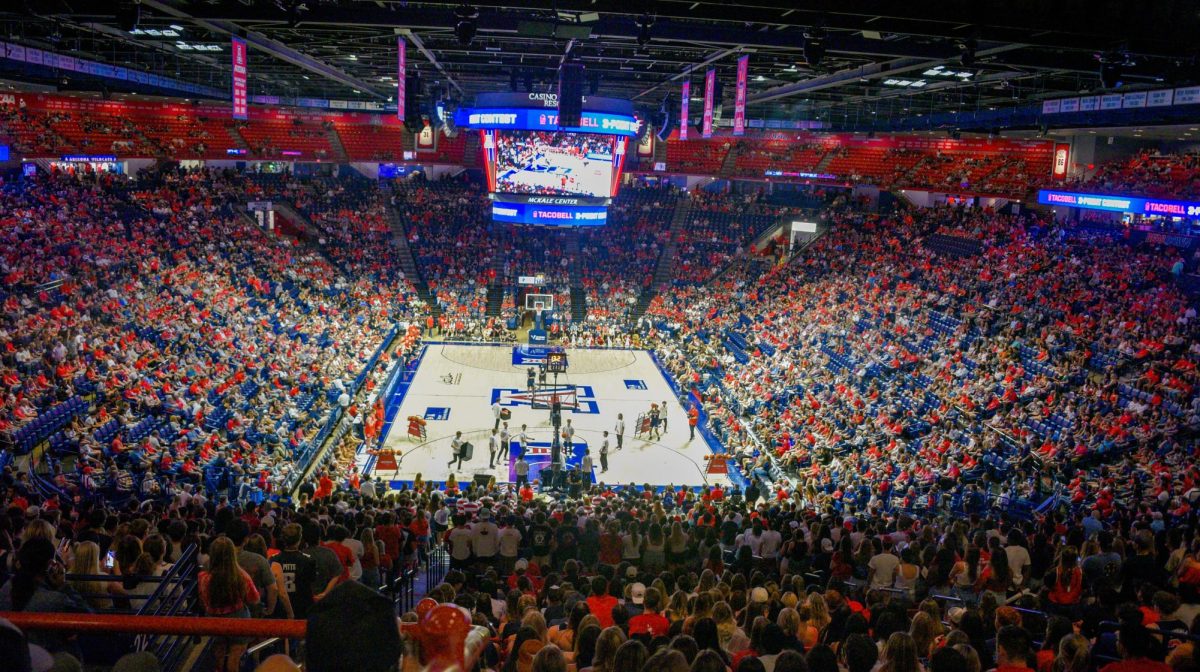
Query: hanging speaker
x,y
570,94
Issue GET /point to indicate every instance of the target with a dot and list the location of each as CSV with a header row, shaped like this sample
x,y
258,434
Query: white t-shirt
x,y
771,541
486,539
509,542
461,539
885,565
1018,558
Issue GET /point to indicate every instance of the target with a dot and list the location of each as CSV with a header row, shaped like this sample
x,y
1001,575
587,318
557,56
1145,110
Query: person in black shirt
x,y
567,537
540,537
299,570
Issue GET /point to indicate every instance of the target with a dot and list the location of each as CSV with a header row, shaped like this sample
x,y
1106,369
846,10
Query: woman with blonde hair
x,y
820,617
85,561
807,632
677,608
702,606
1074,654
611,639
899,654
226,590
923,633
733,639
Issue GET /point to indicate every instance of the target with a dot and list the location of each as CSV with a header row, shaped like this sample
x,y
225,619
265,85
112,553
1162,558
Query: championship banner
x,y
401,70
240,108
683,109
739,103
710,89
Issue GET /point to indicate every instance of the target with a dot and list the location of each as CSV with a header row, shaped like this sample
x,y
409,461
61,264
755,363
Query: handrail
x,y
264,628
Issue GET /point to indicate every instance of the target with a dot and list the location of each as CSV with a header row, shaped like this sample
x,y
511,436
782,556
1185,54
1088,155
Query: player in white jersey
x,y
620,430
604,453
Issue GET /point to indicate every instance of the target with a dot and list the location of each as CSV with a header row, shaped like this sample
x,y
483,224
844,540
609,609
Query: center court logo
x,y
584,397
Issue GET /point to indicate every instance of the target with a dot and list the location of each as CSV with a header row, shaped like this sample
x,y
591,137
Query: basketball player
x,y
604,453
568,435
505,439
456,450
586,466
493,448
663,408
530,380
620,430
496,413
654,421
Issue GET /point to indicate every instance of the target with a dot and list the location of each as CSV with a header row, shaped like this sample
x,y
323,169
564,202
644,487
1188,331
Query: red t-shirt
x,y
655,625
602,609
345,555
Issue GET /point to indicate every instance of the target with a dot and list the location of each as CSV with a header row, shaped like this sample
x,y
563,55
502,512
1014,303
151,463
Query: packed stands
x,y
1146,174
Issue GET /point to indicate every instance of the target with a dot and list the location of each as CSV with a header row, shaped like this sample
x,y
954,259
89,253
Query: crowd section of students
x,y
157,339
1147,173
969,437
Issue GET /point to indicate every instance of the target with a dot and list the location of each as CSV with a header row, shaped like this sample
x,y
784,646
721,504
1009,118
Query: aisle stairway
x,y
824,162
495,293
578,295
236,138
407,263
335,142
729,165
666,258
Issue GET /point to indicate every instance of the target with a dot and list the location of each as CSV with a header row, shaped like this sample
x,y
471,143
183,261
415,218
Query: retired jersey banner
x,y
240,108
710,90
739,102
685,95
401,71
1062,153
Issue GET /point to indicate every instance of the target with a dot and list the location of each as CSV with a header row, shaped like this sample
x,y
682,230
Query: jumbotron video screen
x,y
554,163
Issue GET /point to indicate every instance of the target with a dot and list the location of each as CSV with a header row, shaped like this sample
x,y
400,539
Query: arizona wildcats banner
x,y
685,95
739,103
401,70
240,108
710,91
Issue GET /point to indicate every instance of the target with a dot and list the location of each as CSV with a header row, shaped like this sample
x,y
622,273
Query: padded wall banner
x,y
401,72
684,95
241,108
710,90
739,102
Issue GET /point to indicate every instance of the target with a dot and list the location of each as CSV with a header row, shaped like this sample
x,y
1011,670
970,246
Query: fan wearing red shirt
x,y
601,603
1136,645
1014,650
649,622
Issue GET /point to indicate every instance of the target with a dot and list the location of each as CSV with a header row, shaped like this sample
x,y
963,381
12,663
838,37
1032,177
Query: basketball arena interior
x,y
593,336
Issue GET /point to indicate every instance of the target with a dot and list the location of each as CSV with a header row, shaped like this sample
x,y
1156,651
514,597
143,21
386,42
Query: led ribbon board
x,y
1112,203
549,215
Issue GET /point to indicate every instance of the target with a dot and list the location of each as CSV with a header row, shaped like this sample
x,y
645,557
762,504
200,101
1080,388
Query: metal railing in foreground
x,y
443,635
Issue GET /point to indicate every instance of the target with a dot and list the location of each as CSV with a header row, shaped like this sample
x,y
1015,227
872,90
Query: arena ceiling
x,y
998,53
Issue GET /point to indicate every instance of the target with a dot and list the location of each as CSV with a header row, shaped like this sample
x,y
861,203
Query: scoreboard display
x,y
543,175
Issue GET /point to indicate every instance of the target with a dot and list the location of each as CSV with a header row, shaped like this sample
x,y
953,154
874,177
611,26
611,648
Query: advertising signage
x,y
549,215
544,120
1111,203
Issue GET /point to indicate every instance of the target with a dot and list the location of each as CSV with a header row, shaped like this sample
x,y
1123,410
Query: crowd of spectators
x,y
955,460
1146,173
